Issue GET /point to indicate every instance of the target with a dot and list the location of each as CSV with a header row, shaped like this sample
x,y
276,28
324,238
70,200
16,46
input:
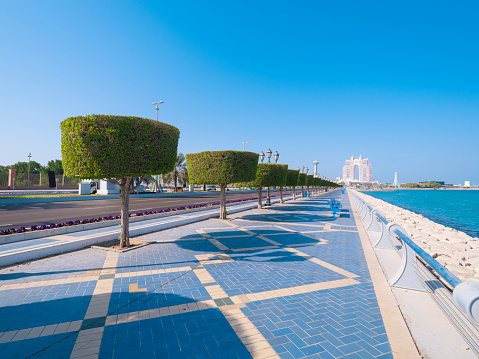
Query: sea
x,y
458,209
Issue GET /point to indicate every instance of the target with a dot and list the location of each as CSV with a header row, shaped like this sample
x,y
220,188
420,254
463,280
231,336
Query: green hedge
x,y
309,180
302,179
108,146
267,175
221,167
292,177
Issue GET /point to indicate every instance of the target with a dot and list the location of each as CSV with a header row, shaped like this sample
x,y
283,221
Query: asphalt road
x,y
29,214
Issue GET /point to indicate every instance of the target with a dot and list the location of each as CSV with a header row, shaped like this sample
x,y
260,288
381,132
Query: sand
x,y
455,250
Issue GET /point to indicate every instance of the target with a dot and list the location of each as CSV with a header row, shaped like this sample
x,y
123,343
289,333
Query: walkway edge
x,y
400,339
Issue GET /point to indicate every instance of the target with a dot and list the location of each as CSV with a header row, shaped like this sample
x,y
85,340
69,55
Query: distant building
x,y
467,184
365,172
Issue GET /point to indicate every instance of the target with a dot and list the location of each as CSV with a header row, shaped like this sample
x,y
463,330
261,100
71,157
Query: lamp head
x,y
261,156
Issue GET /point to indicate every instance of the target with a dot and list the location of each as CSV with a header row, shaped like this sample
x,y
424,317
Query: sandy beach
x,y
454,249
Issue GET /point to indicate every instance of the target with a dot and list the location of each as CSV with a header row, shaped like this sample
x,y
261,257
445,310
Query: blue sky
x,y
315,80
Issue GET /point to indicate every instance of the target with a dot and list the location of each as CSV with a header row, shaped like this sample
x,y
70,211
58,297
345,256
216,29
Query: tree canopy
x,y
22,167
302,179
292,177
108,146
221,167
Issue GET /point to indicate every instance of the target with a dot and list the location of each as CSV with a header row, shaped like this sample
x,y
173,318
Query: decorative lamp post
x,y
276,157
302,169
306,169
261,156
244,145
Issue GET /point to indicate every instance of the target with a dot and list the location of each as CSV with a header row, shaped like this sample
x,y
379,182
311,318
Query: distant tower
x,y
396,183
315,171
467,184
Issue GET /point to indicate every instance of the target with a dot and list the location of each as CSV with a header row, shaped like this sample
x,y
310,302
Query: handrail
x,y
384,220
440,269
465,294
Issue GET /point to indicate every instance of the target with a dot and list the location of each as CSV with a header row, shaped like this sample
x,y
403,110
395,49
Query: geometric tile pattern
x,y
289,281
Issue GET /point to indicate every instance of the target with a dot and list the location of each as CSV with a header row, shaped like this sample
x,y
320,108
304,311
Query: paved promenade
x,y
289,281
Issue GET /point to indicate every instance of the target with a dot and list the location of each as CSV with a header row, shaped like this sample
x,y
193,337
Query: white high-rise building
x,y
467,184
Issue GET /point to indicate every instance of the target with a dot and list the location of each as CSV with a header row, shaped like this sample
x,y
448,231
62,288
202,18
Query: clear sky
x,y
314,80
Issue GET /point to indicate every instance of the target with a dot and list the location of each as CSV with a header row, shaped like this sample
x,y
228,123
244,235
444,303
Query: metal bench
x,y
335,206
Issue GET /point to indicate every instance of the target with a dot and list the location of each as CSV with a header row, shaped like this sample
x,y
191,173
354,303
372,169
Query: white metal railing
x,y
393,236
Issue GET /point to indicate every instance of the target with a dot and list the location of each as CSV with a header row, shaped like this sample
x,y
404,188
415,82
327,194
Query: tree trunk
x,y
260,199
125,220
281,194
175,180
302,192
223,202
294,193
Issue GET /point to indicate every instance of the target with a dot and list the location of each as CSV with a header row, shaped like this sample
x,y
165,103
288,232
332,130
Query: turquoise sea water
x,y
457,209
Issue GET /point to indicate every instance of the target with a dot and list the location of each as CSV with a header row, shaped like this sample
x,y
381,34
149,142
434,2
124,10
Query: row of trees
x,y
35,167
430,184
242,168
120,148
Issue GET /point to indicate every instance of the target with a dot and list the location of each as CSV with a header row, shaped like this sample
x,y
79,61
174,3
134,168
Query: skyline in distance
x,y
397,84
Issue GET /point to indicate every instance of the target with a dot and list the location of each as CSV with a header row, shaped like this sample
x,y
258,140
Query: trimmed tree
x,y
118,148
282,180
292,180
221,168
309,182
318,184
267,175
302,182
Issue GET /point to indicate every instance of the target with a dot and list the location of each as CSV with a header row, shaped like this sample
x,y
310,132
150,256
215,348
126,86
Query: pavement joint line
x,y
102,294
323,263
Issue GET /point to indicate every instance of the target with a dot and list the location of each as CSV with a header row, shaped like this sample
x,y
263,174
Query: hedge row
x,y
292,177
267,175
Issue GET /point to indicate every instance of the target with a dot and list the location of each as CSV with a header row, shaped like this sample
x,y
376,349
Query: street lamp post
x,y
29,156
261,156
157,103
276,157
157,177
244,145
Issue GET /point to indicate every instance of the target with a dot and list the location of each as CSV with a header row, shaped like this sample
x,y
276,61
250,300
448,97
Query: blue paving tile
x,y
54,346
30,307
244,242
268,270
